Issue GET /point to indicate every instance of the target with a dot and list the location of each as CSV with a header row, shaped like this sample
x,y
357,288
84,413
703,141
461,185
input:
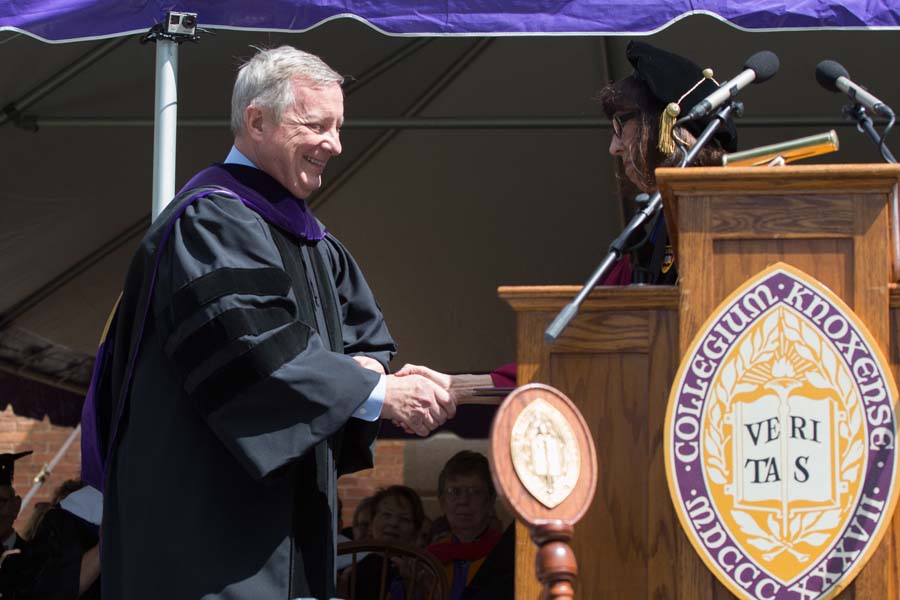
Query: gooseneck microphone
x,y
832,76
760,67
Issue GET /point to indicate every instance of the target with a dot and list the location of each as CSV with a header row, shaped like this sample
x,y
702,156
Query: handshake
x,y
417,399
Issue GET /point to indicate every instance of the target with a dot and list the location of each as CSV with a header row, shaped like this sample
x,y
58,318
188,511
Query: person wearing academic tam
x,y
643,108
245,367
15,572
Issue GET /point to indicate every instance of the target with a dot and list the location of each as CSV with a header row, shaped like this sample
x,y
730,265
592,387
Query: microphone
x,y
760,67
833,77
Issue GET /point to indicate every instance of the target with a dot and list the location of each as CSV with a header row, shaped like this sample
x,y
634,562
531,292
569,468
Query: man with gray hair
x,y
248,366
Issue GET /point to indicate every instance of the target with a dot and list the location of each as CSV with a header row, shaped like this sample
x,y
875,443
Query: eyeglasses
x,y
619,120
472,492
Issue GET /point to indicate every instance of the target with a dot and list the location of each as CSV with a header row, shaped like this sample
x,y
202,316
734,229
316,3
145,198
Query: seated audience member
x,y
466,494
438,529
496,578
65,545
15,563
357,532
362,519
34,521
397,517
40,509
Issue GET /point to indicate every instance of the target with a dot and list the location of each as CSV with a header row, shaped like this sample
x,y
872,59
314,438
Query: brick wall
x,y
45,439
388,471
38,417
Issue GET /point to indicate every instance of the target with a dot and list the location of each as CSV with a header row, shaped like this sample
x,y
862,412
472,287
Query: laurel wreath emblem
x,y
767,349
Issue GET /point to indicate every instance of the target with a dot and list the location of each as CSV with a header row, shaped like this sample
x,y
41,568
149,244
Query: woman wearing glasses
x,y
641,109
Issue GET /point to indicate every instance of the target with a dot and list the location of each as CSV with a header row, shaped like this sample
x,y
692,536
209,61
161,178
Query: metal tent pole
x,y
177,27
48,469
165,111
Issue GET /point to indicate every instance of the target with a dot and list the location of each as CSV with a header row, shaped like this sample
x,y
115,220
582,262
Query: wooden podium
x,y
617,359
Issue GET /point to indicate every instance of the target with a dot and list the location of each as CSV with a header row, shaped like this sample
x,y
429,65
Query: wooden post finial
x,y
555,565
544,464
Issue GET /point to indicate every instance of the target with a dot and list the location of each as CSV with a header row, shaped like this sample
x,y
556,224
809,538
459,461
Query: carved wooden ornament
x,y
542,456
544,464
545,453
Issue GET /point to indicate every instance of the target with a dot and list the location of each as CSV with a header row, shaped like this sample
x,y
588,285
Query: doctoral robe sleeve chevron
x,y
227,312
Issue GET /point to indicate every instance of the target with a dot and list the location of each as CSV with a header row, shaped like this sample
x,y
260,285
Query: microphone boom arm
x,y
617,247
857,112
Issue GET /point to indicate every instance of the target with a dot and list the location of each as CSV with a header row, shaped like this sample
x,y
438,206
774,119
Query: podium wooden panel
x,y
616,362
617,359
832,222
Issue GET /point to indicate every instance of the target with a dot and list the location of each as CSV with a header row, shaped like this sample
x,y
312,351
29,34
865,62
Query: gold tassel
x,y
666,125
670,115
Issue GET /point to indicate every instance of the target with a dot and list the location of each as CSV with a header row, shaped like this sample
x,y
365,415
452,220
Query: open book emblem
x,y
781,440
545,453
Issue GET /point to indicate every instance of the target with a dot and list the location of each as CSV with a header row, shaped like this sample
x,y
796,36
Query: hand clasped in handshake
x,y
417,399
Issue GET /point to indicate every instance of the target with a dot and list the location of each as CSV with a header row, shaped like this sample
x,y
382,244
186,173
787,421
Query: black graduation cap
x,y
8,466
675,79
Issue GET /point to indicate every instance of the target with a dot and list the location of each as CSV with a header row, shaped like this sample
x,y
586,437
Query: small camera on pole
x,y
177,27
181,23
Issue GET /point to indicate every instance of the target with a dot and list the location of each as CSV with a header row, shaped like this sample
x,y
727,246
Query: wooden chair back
x,y
429,581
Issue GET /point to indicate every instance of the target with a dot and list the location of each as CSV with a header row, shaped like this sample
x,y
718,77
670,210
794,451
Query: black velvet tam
x,y
668,76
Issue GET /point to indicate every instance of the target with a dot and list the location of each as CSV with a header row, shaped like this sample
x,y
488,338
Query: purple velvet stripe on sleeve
x,y
142,319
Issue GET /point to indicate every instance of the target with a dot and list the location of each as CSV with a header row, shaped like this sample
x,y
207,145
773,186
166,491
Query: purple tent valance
x,y
64,20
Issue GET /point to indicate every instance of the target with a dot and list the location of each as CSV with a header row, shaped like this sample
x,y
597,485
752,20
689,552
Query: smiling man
x,y
247,366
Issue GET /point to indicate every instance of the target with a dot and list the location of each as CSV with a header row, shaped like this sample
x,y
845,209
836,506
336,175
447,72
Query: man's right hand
x,y
416,403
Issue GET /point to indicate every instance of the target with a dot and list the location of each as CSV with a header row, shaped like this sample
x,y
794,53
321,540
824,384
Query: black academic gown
x,y
225,449
652,254
59,544
18,572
